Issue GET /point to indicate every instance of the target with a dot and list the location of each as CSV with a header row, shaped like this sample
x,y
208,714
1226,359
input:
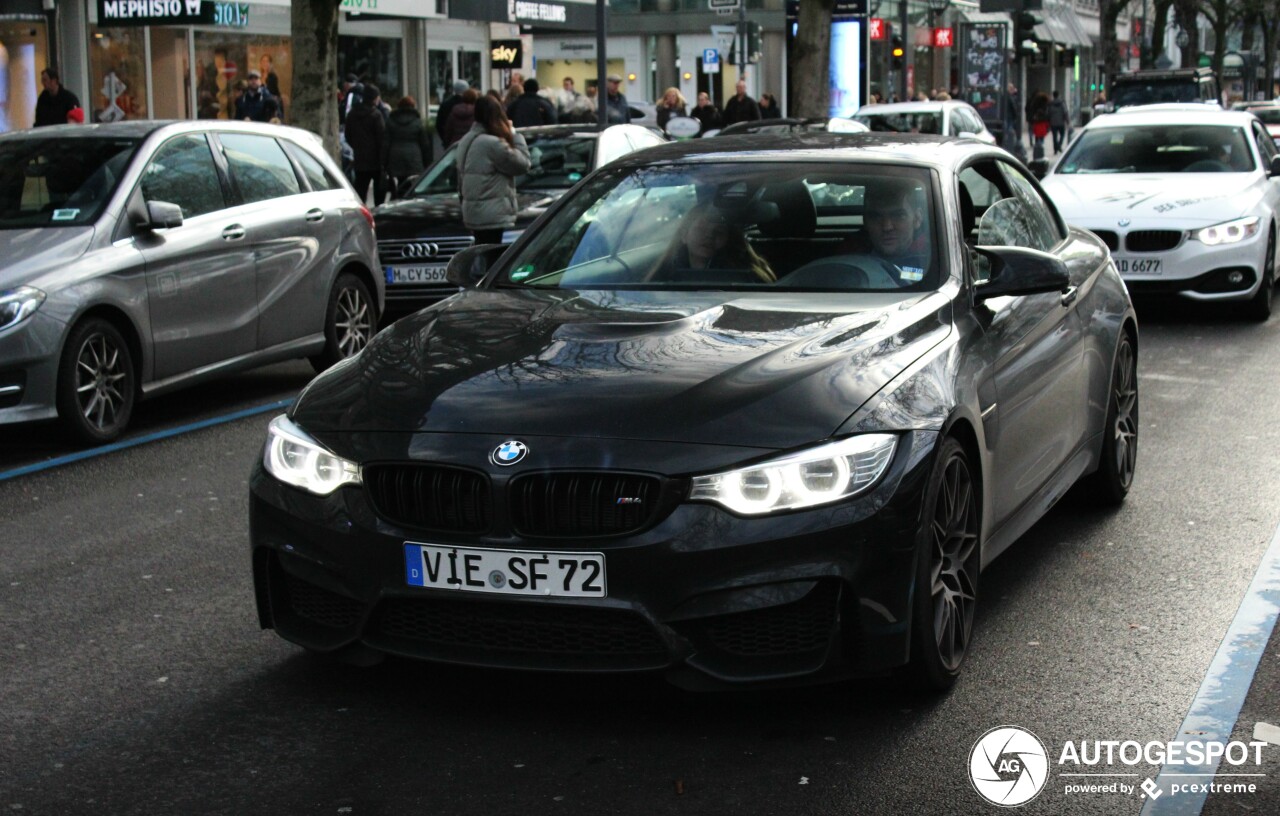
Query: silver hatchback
x,y
140,257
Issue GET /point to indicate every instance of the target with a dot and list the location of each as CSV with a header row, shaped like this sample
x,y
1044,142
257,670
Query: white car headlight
x,y
295,458
1228,232
816,476
16,305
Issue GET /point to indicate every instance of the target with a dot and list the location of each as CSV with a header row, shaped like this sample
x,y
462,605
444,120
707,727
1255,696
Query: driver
x,y
894,217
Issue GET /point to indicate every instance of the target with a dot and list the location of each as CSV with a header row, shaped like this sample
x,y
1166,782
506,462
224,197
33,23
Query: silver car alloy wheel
x,y
100,369
1126,424
353,322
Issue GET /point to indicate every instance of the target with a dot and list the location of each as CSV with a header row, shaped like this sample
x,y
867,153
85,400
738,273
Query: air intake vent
x,y
583,505
430,497
1152,240
1109,238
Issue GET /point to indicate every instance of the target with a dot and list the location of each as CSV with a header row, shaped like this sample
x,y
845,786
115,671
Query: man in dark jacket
x,y
366,132
446,107
55,101
619,111
529,109
256,103
1057,121
740,107
707,114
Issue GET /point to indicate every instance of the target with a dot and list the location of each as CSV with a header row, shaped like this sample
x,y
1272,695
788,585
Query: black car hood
x,y
765,370
442,215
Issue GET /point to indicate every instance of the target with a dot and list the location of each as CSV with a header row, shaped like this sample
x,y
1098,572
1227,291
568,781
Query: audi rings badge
x,y
421,250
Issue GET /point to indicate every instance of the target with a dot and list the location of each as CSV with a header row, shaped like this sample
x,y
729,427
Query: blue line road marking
x,y
1216,707
142,440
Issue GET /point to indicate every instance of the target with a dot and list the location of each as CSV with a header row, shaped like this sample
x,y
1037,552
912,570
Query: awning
x,y
985,17
1062,25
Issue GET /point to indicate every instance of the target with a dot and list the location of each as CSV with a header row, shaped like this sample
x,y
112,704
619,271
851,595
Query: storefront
x,y
24,53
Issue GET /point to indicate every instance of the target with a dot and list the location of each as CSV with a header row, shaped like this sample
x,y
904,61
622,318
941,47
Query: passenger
x,y
706,240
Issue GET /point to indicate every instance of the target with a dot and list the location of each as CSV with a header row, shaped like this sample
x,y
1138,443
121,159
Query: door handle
x,y
315,215
1069,296
233,233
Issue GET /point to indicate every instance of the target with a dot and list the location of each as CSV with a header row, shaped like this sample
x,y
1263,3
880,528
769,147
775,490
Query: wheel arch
x,y
120,319
362,271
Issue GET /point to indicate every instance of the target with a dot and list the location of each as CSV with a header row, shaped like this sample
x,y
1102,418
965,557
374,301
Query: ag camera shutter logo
x,y
1008,766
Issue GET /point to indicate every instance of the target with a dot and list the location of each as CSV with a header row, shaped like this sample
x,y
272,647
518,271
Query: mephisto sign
x,y
153,12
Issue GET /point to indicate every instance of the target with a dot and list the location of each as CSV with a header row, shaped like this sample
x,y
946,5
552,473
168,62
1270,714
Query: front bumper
x,y
29,356
1191,269
708,597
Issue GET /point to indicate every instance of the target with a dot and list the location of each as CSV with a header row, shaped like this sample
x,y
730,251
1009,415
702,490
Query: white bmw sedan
x,y
1185,199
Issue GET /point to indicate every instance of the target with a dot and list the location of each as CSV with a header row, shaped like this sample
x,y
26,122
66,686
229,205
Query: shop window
x,y
223,62
24,53
375,59
117,74
259,167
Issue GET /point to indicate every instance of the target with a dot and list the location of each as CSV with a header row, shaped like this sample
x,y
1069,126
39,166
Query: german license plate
x,y
417,274
1137,266
505,572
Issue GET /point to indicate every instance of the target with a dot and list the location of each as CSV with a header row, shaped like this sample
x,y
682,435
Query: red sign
x,y
943,37
877,29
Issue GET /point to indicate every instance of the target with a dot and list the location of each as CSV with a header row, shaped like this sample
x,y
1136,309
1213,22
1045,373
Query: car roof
x,y
911,107
929,150
1173,114
143,128
580,130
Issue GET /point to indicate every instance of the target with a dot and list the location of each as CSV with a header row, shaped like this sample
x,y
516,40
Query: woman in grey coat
x,y
490,157
409,150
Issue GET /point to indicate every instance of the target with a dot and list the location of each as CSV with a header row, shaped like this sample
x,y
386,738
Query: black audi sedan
x,y
749,409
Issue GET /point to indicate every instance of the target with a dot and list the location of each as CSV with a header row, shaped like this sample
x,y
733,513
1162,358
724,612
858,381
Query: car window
x,y
726,225
557,163
1043,231
317,176
1160,149
182,172
441,178
59,181
969,120
902,122
259,167
955,125
1266,145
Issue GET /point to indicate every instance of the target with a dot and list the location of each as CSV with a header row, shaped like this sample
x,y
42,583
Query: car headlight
x,y
1228,232
295,458
16,305
816,476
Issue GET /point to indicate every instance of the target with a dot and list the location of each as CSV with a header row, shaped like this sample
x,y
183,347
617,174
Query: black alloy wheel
x,y
1258,307
96,383
1110,483
948,563
350,321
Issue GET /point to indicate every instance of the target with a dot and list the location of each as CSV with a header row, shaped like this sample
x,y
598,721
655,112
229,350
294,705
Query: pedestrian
x,y
367,134
531,110
769,107
740,107
461,117
490,157
589,105
942,96
1058,117
271,80
514,89
1012,121
348,97
408,144
672,104
1038,120
568,101
619,110
256,104
442,113
55,101
707,114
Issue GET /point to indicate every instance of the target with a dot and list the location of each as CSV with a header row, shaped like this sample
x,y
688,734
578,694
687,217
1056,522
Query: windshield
x,y
1153,92
1269,116
556,163
742,225
1160,149
59,182
902,122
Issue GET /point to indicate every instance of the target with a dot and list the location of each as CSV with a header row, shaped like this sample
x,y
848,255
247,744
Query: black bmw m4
x,y
752,409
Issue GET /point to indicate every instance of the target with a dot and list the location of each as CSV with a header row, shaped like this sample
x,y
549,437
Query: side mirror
x,y
1020,271
469,266
159,215
1275,166
1038,167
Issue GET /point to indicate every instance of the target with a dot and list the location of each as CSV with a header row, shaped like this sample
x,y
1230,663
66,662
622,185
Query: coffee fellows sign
x,y
120,13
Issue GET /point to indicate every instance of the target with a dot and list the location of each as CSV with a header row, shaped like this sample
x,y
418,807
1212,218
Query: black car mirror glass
x,y
1275,165
1020,271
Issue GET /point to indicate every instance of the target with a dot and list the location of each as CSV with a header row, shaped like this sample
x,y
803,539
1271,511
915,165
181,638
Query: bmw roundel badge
x,y
508,453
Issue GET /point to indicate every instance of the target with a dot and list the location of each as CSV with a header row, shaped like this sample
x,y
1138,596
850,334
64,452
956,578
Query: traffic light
x,y
1025,30
754,44
898,52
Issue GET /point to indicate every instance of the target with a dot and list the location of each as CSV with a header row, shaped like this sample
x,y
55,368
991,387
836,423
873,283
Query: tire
x,y
96,382
948,560
1109,484
350,321
1258,307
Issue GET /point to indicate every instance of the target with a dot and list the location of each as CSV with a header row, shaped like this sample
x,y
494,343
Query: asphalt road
x,y
134,678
